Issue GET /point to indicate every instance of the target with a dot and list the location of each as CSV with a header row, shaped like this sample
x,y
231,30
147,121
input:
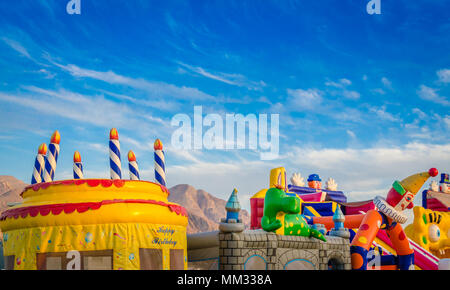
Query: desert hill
x,y
10,189
205,210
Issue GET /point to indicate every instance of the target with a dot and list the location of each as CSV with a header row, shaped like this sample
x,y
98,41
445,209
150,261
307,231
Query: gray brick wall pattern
x,y
278,251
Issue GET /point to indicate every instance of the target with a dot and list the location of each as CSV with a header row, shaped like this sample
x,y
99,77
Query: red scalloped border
x,y
56,209
90,182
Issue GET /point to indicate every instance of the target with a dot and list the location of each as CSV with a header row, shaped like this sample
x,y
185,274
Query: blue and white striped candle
x,y
39,164
114,155
77,166
160,168
43,167
52,157
133,166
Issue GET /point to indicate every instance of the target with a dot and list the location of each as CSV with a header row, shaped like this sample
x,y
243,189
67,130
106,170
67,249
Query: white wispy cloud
x,y
379,91
342,83
345,114
94,110
47,74
386,83
161,104
354,95
447,121
137,144
340,88
153,88
192,156
231,79
304,99
17,47
430,94
383,114
444,75
314,101
368,160
102,148
427,126
351,134
420,114
422,132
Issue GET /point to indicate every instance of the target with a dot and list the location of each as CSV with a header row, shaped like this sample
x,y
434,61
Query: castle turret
x,y
232,223
233,207
339,230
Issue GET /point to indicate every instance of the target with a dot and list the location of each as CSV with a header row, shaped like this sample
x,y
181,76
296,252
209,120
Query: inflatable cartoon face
x,y
314,181
431,230
399,197
278,178
315,184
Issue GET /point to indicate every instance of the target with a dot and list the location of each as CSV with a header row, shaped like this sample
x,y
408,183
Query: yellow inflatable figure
x,y
278,178
431,230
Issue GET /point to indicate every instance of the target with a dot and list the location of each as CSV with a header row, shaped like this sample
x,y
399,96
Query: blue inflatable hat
x,y
314,177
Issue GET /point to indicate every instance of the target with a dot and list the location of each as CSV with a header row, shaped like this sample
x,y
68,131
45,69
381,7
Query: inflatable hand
x,y
434,186
297,180
331,184
270,226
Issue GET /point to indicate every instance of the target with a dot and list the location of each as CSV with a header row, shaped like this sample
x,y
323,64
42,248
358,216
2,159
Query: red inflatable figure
x,y
389,216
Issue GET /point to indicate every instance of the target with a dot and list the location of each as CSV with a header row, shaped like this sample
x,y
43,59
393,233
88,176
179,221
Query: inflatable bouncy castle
x,y
431,226
373,227
95,223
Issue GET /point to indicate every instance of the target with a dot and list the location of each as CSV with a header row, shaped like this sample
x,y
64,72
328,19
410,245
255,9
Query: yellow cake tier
x,y
93,201
95,224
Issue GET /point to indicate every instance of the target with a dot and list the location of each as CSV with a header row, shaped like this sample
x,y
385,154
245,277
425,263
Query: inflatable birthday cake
x,y
95,223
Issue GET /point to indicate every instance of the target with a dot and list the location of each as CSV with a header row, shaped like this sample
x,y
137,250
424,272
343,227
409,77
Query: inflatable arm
x,y
270,225
290,205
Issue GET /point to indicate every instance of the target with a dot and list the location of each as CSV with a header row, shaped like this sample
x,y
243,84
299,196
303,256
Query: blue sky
x,y
362,98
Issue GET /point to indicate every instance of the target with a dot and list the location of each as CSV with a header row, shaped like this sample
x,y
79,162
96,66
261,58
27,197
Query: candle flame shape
x,y
56,138
113,134
131,156
42,149
158,145
76,157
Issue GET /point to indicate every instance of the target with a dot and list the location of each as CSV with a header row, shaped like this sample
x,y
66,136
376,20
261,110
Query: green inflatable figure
x,y
281,215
